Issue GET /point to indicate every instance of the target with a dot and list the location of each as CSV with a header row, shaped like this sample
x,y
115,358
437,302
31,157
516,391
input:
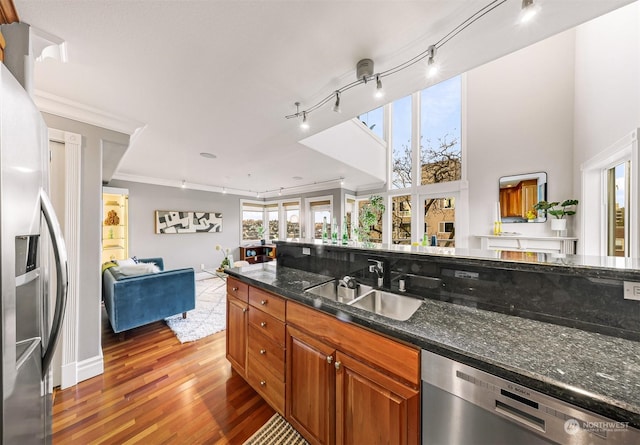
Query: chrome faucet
x,y
378,269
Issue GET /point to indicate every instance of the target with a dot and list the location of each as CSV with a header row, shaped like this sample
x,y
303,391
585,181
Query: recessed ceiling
x,y
219,76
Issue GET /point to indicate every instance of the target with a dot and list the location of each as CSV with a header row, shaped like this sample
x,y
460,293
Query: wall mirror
x,y
519,193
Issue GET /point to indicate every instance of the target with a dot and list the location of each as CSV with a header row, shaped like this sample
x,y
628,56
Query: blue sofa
x,y
133,301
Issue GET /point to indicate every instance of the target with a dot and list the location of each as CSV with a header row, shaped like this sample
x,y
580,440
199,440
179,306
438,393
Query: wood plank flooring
x,y
155,390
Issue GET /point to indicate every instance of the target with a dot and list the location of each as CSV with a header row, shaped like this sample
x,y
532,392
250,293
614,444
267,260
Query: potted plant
x,y
559,210
260,231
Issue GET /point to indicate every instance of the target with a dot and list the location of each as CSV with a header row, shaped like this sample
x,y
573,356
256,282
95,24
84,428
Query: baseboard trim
x,y
68,376
90,367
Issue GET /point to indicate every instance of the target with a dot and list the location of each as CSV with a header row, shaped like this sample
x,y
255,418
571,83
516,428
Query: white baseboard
x,y
68,376
90,367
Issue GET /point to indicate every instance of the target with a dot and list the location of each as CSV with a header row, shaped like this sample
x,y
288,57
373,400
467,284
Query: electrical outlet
x,y
306,251
202,266
631,290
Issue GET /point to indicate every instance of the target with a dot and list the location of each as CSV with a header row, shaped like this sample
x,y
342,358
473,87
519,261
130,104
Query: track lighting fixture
x,y
280,192
184,184
379,91
529,10
365,72
304,124
336,106
432,66
224,190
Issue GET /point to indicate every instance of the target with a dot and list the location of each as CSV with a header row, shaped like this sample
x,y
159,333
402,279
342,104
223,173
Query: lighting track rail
x,y
364,76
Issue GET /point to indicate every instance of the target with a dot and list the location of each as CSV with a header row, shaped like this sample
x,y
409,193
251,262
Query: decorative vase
x,y
558,224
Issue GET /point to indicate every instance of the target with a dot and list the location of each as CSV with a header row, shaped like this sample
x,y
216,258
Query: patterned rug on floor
x,y
208,317
276,431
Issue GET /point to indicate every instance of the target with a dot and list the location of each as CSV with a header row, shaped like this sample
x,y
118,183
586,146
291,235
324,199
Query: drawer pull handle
x,y
263,383
337,365
244,310
235,289
263,302
263,324
263,351
329,359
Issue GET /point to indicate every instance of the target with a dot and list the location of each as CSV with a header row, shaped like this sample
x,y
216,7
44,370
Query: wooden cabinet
x,y
237,324
344,384
115,230
260,253
310,386
349,385
266,340
371,407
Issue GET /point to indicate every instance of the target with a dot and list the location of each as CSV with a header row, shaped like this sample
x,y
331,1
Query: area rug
x,y
208,317
276,431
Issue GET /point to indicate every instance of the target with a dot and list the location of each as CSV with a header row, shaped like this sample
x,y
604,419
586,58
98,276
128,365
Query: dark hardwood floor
x,y
155,390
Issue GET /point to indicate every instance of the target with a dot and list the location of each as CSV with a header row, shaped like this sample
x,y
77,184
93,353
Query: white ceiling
x,y
219,76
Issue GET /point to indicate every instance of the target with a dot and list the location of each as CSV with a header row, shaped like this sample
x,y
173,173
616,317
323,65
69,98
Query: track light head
x,y
529,10
379,91
184,184
304,124
432,66
336,106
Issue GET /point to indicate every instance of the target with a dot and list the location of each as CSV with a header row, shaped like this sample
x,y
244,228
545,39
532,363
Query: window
x,y
374,121
374,232
320,215
401,219
252,218
274,221
618,186
440,122
401,143
439,220
292,218
350,215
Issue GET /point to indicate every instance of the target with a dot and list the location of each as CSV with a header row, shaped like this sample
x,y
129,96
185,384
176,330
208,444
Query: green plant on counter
x,y
558,209
370,214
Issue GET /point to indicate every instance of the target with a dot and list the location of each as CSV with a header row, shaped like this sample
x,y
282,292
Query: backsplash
x,y
589,299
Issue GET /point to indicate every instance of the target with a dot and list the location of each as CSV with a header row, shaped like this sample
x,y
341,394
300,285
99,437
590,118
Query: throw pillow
x,y
139,269
127,262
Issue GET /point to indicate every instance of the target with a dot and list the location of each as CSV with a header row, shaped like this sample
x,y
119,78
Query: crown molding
x,y
60,106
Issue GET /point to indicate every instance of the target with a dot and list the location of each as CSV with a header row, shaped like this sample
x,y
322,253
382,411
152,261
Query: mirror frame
x,y
506,182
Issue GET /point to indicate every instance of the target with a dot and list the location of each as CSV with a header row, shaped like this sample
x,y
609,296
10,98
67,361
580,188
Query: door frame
x,y
67,348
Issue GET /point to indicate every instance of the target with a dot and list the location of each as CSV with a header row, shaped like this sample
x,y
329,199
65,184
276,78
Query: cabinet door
x,y
373,408
310,401
237,322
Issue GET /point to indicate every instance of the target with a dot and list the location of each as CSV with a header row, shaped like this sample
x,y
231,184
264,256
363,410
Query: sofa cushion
x,y
120,272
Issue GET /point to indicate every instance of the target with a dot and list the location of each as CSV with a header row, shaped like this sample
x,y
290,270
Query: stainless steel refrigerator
x,y
29,235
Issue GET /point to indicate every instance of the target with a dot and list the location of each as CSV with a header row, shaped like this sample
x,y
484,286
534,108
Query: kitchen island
x,y
599,373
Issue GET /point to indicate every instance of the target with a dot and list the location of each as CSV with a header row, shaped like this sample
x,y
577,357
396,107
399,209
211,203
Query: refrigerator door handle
x,y
62,278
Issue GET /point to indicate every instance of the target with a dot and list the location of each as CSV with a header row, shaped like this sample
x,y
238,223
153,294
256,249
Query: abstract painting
x,y
173,221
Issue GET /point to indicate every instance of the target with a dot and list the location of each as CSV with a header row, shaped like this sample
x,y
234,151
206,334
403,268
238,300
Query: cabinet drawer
x,y
267,302
269,386
238,289
267,325
266,352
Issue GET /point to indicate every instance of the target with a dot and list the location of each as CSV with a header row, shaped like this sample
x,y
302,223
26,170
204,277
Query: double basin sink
x,y
387,304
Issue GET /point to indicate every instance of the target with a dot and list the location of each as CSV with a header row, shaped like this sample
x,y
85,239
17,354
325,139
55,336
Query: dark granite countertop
x,y
596,372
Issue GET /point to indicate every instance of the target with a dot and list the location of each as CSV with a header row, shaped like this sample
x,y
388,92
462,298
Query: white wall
x,y
607,85
186,249
519,119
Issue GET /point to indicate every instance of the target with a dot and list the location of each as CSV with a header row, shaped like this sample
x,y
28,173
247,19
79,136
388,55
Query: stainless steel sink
x,y
387,304
333,291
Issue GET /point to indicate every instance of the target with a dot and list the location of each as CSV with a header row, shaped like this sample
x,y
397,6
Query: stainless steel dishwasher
x,y
462,405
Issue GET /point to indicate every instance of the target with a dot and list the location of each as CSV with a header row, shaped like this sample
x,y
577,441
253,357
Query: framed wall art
x,y
175,221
